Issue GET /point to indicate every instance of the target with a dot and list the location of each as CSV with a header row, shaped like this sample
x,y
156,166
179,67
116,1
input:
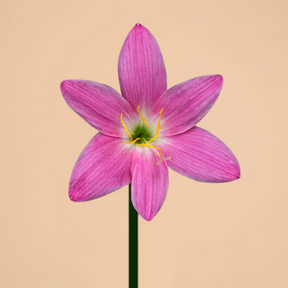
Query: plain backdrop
x,y
206,235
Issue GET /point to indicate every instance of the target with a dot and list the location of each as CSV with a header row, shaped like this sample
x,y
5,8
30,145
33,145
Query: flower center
x,y
142,135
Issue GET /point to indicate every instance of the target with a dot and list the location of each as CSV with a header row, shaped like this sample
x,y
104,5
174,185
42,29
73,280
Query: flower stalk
x,y
133,244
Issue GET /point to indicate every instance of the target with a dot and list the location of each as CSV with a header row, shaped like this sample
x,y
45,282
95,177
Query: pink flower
x,y
146,130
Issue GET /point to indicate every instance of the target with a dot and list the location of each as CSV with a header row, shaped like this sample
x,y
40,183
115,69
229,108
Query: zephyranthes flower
x,y
146,130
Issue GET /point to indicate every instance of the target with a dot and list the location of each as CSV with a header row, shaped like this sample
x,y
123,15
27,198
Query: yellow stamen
x,y
144,145
162,158
158,129
142,117
131,142
125,127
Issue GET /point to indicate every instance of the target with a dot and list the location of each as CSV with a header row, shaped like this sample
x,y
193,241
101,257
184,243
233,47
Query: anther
x,y
125,127
158,129
131,142
144,145
162,158
142,117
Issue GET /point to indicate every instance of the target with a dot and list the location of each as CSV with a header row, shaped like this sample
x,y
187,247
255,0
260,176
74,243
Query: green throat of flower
x,y
141,134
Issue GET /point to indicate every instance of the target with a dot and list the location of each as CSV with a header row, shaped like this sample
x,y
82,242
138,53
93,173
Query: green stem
x,y
133,244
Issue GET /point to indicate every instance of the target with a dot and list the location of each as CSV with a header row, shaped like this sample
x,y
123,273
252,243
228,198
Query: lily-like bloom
x,y
146,130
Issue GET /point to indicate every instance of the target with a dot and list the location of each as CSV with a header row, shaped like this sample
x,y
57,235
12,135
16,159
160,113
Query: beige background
x,y
206,235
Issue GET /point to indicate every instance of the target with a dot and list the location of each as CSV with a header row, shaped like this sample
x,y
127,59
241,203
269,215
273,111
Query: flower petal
x,y
98,104
141,69
149,183
187,103
201,156
103,167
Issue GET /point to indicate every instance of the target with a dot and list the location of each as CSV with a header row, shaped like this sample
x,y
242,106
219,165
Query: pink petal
x,y
187,103
201,156
103,167
141,69
98,104
149,183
